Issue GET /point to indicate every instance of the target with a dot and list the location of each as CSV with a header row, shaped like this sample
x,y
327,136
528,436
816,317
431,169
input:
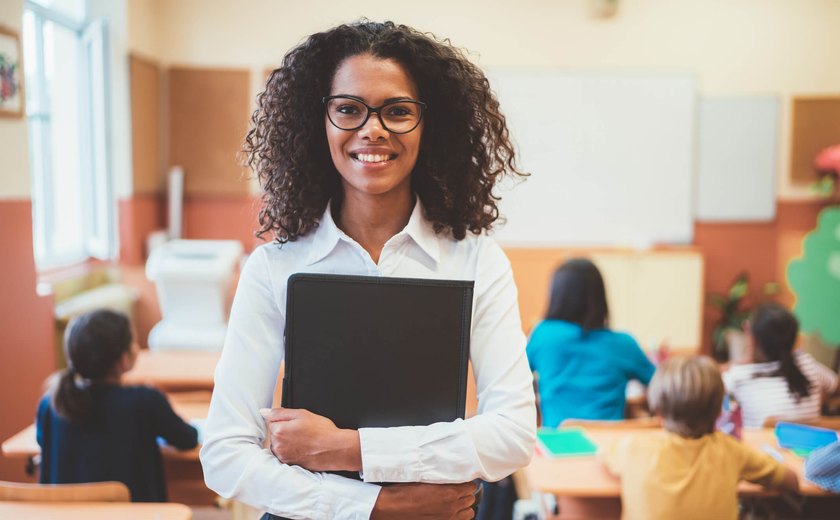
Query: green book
x,y
565,442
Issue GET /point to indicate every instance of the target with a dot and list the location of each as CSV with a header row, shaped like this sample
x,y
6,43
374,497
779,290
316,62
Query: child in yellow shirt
x,y
689,471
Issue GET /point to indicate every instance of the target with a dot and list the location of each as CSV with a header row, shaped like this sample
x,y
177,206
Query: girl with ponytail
x,y
91,428
777,381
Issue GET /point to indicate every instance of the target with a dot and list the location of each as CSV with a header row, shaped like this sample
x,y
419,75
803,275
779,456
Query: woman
x,y
777,381
377,148
582,366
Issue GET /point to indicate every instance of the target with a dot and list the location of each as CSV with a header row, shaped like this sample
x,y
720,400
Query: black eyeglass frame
x,y
377,110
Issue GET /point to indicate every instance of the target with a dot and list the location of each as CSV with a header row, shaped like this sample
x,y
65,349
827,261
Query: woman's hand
x,y
301,438
409,501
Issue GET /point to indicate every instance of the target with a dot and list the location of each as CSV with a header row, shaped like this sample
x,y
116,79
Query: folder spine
x,y
466,320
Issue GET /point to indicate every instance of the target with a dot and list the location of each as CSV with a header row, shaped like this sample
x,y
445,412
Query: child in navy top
x,y
91,428
582,366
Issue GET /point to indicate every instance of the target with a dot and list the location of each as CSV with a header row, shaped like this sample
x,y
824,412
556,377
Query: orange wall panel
x,y
222,217
26,322
761,249
139,215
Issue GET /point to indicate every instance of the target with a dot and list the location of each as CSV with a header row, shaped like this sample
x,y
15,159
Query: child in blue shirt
x,y
582,366
822,467
91,428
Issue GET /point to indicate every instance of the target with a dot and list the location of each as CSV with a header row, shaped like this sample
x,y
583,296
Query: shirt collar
x,y
418,229
422,232
326,237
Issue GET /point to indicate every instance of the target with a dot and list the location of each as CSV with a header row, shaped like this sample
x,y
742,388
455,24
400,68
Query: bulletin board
x,y
815,125
611,157
145,125
208,120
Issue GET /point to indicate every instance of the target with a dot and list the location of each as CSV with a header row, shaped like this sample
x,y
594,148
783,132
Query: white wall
x,y
143,24
766,47
14,143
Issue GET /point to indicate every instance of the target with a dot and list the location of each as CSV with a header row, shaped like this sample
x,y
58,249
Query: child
x,y
689,471
822,467
91,428
778,382
583,367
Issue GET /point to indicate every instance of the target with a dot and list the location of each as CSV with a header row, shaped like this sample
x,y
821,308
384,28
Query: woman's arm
x,y
500,438
233,457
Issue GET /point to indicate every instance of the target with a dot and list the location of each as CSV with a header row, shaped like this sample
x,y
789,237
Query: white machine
x,y
192,278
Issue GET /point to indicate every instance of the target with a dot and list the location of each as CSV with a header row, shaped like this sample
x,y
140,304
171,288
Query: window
x,y
67,114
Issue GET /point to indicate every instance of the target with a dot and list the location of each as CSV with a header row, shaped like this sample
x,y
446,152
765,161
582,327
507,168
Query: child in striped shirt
x,y
778,382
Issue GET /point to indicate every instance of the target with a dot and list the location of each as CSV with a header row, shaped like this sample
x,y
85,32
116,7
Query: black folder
x,y
370,351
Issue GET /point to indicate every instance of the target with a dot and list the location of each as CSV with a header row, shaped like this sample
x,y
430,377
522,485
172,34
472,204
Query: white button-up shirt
x,y
490,445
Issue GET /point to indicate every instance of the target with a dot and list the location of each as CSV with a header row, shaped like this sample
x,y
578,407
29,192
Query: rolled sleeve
x,y
347,498
235,463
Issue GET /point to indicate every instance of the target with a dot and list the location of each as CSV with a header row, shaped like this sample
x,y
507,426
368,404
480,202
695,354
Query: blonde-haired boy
x,y
689,471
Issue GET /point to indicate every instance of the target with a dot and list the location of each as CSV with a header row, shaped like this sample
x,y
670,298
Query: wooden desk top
x,y
94,511
24,444
174,370
586,477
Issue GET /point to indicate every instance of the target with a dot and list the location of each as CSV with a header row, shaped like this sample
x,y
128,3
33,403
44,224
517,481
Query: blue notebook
x,y
565,442
802,439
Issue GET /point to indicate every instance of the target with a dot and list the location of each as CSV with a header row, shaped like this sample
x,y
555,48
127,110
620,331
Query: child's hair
x,y
93,344
578,295
687,392
774,330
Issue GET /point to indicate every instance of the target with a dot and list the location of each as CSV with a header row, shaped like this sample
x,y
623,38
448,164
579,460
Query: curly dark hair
x,y
465,148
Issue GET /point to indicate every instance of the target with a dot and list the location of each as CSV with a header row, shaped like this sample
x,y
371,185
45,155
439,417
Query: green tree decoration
x,y
815,279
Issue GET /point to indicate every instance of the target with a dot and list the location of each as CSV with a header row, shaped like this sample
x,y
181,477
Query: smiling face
x,y
371,160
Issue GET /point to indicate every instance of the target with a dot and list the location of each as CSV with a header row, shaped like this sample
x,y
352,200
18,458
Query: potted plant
x,y
729,341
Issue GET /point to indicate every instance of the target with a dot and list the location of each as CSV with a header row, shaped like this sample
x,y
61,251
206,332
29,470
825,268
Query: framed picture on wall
x,y
11,74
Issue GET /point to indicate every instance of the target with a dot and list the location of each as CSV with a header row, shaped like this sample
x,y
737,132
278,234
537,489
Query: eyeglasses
x,y
351,113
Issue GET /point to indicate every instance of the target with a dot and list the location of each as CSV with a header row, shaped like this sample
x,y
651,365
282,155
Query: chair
x,y
643,422
89,492
822,421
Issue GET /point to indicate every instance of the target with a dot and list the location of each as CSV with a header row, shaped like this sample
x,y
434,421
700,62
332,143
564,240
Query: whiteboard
x,y
610,156
737,159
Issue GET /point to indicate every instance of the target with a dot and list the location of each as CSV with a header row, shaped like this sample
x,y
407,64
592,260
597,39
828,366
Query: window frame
x,y
97,201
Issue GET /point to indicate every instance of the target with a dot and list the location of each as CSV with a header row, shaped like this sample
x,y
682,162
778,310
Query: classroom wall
x,y
25,319
734,47
746,47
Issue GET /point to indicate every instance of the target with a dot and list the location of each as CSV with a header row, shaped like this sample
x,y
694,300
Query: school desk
x,y
173,370
586,477
94,511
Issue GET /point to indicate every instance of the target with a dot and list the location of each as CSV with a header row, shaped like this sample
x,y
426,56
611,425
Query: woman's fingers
x,y
281,414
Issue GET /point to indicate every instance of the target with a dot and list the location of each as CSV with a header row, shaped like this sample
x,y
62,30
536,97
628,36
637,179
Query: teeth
x,y
367,157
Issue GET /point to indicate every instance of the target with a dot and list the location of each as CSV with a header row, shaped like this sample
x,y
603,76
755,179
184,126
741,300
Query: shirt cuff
x,y
384,460
347,498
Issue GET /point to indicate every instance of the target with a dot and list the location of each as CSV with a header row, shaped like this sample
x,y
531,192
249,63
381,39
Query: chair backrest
x,y
823,421
644,422
91,492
